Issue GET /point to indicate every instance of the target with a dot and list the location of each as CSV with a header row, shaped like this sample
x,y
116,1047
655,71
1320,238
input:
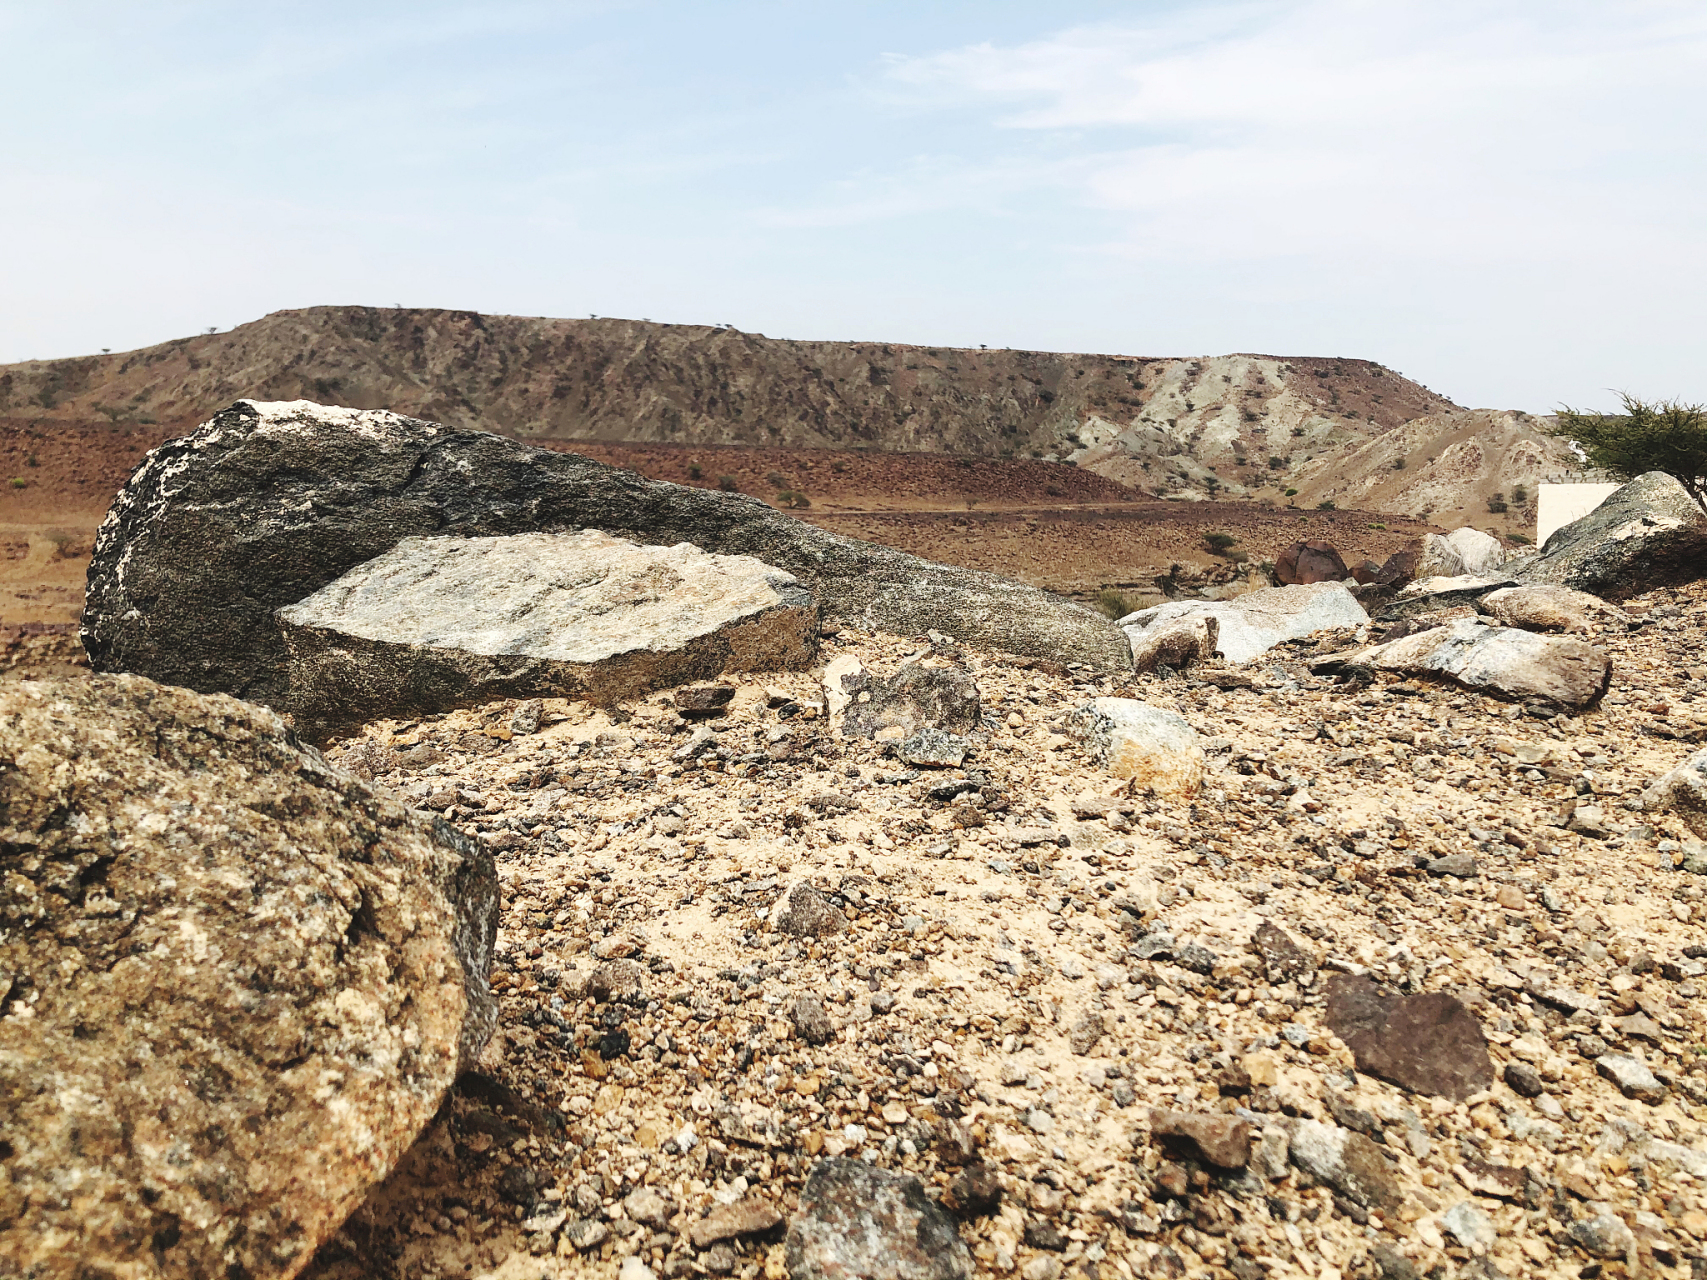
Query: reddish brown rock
x,y
1306,562
1426,1043
1220,1140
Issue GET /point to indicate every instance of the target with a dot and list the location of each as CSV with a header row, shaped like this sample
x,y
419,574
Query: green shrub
x,y
18,482
1520,494
789,498
776,480
694,471
1325,505
727,484
1114,604
1666,435
1398,464
1497,505
1219,543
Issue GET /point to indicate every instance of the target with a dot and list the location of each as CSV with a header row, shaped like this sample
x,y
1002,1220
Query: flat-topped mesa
x,y
268,502
438,623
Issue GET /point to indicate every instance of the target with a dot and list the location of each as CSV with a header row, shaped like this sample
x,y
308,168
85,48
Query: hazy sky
x,y
1504,200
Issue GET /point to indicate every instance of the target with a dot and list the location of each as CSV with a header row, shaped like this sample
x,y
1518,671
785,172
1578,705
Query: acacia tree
x,y
1665,435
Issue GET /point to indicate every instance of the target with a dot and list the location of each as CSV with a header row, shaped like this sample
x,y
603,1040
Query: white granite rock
x,y
1254,623
1157,749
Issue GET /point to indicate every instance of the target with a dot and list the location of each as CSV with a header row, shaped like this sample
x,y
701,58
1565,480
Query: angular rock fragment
x,y
250,981
1221,1140
1472,1227
916,697
1504,661
1683,791
933,749
858,1221
1154,748
1346,1161
1478,552
1632,1076
1283,959
975,1192
622,981
1087,1033
704,699
268,502
810,1021
1548,608
806,913
1426,1043
1649,533
1254,623
1605,1235
437,623
748,1216
1177,644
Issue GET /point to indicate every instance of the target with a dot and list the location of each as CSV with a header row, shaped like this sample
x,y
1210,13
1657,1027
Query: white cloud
x,y
1462,132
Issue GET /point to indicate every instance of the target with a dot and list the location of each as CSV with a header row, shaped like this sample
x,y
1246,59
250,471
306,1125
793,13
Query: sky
x,y
1503,200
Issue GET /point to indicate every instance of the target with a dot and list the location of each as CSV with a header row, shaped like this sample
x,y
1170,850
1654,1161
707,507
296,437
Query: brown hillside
x,y
1192,426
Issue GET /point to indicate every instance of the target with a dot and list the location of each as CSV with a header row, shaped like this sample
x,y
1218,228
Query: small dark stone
x,y
704,699
1283,959
807,1014
1045,1235
519,1184
1390,1264
1523,1079
613,1044
975,1192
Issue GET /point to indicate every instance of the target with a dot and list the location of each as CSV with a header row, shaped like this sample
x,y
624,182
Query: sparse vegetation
x,y
1292,493
694,471
792,499
1327,504
1276,463
1662,435
727,484
1219,543
1520,494
1398,464
1522,540
1497,504
776,480
1114,604
18,482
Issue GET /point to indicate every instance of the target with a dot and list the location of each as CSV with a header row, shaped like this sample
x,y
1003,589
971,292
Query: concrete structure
x,y
1556,505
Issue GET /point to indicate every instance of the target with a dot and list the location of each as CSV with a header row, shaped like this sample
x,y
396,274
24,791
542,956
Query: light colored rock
x,y
1178,643
240,983
1346,1161
1501,660
436,623
1439,559
1156,749
844,675
1478,552
1647,534
1471,1225
1632,1076
1683,791
1549,608
1255,622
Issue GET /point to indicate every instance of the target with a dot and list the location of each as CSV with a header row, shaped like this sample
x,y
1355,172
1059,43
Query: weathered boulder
x,y
1178,643
1366,572
437,623
1504,661
1220,1140
1254,623
1400,567
858,1221
268,502
1307,562
1649,533
1438,558
916,697
237,983
1682,791
1428,1043
1478,552
1156,749
1548,608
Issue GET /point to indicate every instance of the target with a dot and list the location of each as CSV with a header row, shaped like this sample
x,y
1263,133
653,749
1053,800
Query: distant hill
x,y
1163,425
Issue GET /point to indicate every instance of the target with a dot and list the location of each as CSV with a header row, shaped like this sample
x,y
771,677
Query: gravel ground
x,y
1032,961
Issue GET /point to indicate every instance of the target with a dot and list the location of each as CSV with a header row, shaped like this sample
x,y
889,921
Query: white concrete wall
x,y
1556,505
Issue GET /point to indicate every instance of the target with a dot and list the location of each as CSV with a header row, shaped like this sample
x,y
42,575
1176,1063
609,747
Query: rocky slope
x,y
1162,424
1011,972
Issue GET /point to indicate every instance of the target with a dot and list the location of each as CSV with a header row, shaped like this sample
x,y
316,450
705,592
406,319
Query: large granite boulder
x,y
1438,558
235,983
437,623
267,503
1650,533
1479,553
1252,624
1503,661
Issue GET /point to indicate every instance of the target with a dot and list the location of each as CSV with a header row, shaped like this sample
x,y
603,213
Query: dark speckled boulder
x,y
267,503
